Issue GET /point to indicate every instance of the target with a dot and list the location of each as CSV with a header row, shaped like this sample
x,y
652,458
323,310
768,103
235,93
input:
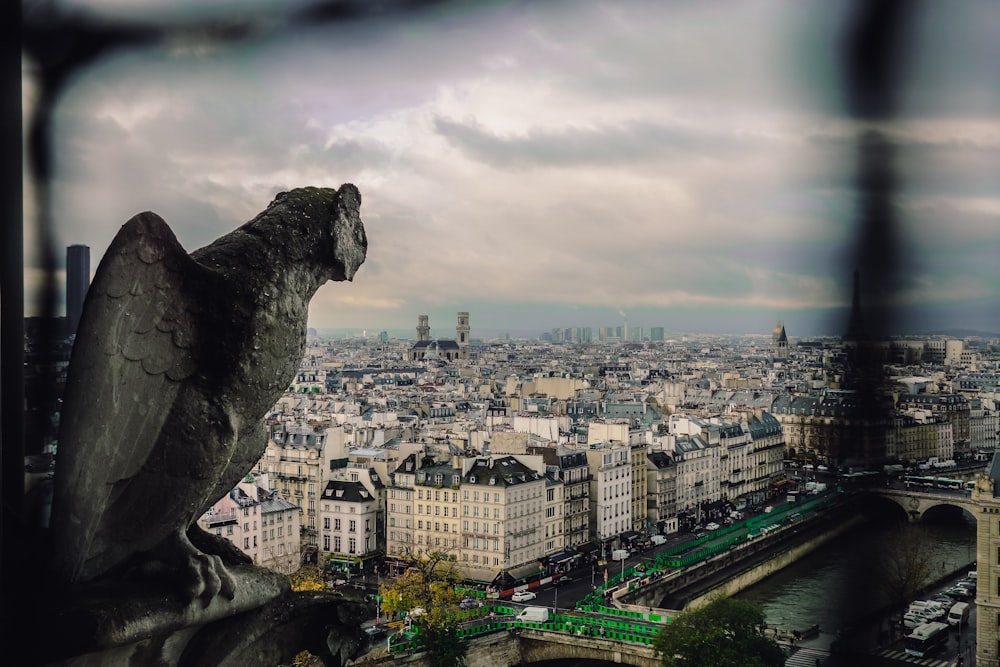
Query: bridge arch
x,y
916,504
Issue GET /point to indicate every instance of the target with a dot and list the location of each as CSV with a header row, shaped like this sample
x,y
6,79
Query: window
x,y
336,524
326,523
353,544
353,526
368,525
326,543
336,543
246,542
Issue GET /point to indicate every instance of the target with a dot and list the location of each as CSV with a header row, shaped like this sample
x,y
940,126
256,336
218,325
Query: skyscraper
x,y
77,283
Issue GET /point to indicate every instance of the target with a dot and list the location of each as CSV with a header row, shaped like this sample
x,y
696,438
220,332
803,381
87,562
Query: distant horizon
x,y
531,334
552,164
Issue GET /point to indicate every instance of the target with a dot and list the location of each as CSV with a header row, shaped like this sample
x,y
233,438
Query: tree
x,y
307,578
430,584
726,632
905,564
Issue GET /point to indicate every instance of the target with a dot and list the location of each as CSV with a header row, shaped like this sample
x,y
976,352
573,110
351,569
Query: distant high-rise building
x,y
77,283
656,334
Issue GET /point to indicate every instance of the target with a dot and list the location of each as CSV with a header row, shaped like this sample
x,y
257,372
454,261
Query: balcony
x,y
221,519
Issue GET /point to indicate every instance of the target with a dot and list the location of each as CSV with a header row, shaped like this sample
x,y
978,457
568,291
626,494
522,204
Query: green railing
x,y
687,554
590,626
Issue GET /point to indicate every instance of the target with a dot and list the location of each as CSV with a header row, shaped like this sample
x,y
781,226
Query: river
x,y
840,583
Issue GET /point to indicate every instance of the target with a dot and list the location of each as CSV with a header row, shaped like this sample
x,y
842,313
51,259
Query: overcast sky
x,y
541,164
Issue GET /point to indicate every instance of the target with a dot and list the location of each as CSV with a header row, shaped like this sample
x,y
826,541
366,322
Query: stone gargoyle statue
x,y
177,359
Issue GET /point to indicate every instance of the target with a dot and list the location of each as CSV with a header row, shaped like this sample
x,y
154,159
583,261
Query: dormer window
x,y
340,493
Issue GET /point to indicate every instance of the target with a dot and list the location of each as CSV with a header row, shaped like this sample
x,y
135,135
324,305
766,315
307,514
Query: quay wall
x,y
744,578
732,571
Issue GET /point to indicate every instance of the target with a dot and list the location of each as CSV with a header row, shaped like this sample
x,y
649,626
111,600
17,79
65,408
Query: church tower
x,y
779,342
462,335
423,328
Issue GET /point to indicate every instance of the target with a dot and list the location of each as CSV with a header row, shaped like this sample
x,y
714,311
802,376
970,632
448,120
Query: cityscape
x,y
657,306
528,459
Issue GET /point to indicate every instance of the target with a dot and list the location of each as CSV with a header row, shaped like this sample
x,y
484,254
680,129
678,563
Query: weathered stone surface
x,y
177,359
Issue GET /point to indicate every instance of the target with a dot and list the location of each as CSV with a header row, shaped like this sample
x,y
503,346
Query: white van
x,y
658,539
619,554
533,615
959,614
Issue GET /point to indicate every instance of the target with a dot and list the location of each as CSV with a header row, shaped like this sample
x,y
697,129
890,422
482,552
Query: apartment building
x,y
569,466
610,494
661,499
489,513
259,522
637,457
349,527
953,407
298,460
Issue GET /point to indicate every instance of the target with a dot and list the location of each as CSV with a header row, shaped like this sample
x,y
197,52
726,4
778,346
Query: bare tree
x,y
905,564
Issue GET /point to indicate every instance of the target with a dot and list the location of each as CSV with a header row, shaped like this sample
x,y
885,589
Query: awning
x,y
562,558
524,571
629,535
482,575
587,548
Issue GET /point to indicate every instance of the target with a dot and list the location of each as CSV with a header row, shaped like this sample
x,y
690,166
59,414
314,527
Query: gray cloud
x,y
555,159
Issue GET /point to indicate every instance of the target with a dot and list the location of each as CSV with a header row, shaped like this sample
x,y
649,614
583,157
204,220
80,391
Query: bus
x,y
934,482
926,638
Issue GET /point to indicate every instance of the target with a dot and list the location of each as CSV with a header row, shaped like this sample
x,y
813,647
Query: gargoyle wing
x,y
136,346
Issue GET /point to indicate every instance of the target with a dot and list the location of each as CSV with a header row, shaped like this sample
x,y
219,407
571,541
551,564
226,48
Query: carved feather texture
x,y
177,359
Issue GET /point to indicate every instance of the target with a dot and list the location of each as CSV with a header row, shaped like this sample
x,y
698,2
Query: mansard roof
x,y
346,491
659,459
500,471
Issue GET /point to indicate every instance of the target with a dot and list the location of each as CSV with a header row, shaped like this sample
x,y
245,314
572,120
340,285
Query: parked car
x,y
915,617
469,603
523,596
375,633
712,526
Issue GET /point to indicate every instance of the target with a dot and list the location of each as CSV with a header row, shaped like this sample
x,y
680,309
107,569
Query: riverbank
x,y
839,590
876,629
767,557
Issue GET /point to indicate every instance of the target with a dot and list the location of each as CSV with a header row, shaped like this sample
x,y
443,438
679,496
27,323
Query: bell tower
x,y
423,328
462,335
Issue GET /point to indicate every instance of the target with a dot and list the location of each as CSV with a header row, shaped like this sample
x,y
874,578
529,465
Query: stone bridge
x,y
538,647
916,503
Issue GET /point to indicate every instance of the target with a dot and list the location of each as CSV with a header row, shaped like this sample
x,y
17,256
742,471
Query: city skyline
x,y
572,164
